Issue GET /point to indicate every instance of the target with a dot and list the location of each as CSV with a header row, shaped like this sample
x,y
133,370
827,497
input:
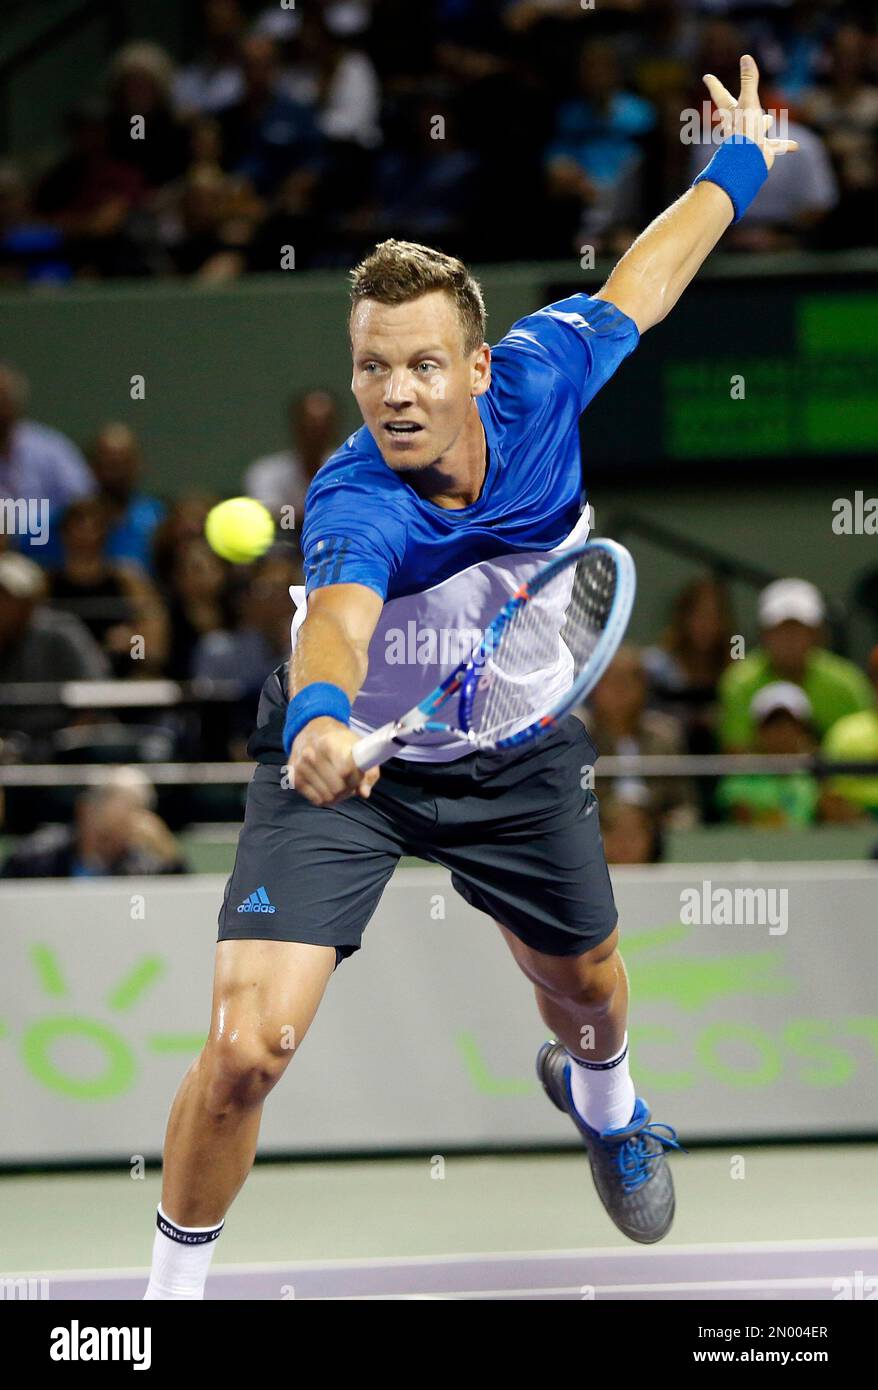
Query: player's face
x,y
412,380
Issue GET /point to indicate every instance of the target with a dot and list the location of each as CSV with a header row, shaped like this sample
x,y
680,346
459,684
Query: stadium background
x,y
184,298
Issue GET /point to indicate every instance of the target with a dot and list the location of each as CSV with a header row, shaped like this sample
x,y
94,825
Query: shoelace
x,y
633,1157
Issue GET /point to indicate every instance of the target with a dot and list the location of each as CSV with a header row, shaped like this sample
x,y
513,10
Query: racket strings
x,y
545,646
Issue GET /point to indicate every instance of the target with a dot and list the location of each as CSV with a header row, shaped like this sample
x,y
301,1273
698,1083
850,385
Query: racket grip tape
x,y
376,748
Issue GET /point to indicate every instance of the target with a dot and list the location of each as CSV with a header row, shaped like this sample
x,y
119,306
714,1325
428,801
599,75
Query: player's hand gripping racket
x,y
546,649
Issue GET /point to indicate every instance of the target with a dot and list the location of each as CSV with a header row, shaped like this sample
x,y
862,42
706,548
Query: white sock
x,y
603,1092
181,1258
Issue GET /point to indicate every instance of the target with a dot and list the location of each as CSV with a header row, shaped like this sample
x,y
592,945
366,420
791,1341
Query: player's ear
x,y
480,370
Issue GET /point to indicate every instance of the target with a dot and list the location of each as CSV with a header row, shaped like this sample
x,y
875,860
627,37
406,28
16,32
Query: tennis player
x,y
467,464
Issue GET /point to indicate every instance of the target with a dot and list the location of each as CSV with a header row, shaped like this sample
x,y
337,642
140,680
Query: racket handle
x,y
376,748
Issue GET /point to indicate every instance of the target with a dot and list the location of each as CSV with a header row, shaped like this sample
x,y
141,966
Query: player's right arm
x,y
332,645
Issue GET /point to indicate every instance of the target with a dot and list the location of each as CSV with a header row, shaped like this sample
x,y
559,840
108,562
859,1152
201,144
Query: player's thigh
x,y
266,997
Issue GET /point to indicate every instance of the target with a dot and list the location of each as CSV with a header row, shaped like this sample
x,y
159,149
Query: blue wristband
x,y
739,169
319,698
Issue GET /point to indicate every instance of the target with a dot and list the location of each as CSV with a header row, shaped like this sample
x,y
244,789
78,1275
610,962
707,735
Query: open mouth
x,y
402,429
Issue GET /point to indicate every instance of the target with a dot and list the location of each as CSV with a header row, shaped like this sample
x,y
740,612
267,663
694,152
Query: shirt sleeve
x,y
581,339
74,478
737,686
351,535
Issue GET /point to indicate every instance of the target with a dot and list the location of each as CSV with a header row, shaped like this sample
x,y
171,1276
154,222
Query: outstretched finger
x,y
749,96
782,146
719,95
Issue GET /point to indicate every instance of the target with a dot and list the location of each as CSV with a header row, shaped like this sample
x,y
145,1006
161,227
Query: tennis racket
x,y
546,649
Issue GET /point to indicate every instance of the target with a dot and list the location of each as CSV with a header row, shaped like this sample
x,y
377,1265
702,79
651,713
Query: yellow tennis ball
x,y
239,530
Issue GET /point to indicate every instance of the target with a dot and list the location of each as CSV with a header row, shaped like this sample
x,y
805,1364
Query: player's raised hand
x,y
322,766
745,116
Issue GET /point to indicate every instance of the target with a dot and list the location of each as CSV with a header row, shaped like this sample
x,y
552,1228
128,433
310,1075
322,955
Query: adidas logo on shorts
x,y
257,902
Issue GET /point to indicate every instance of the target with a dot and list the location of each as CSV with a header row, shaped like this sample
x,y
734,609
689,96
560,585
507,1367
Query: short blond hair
x,y
398,271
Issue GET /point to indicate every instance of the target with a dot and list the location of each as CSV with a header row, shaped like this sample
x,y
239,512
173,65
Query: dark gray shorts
x,y
517,830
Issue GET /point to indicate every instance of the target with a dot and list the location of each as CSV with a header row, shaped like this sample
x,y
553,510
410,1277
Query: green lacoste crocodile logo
x,y
686,981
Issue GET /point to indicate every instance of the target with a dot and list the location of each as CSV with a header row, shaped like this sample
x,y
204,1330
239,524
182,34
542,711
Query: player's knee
x,y
242,1064
582,982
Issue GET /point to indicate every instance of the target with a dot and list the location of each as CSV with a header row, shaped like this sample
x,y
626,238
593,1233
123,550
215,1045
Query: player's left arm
x,y
655,271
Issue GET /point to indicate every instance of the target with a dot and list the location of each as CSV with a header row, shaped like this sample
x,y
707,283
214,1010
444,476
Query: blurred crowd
x,y
703,688
100,580
497,129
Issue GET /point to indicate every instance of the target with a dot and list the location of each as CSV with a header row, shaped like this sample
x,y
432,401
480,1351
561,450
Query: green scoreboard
x,y
744,373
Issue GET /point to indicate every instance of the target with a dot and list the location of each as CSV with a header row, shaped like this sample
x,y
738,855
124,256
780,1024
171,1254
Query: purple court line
x,y
788,1270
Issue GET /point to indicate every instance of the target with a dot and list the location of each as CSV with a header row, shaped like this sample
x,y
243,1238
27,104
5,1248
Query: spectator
x,y
199,602
403,52
38,644
30,249
620,724
630,832
282,479
507,118
347,18
425,188
341,86
266,135
338,81
597,150
249,651
260,639
685,667
140,90
207,240
853,739
183,523
41,472
114,833
294,220
781,716
117,465
114,599
791,619
798,56
90,197
845,113
215,80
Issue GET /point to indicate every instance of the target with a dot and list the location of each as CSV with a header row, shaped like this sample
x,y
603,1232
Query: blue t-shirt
x,y
131,537
364,524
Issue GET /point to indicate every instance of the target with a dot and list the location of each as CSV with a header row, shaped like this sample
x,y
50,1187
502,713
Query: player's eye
x,y
430,366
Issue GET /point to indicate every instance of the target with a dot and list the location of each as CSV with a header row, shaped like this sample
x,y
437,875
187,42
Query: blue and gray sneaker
x,y
628,1165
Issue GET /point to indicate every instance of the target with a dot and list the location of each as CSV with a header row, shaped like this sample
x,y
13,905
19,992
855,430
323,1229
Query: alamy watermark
x,y
707,906
23,1288
434,646
705,125
25,516
855,516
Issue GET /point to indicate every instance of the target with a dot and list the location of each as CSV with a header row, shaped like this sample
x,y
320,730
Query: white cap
x,y
780,695
20,576
794,599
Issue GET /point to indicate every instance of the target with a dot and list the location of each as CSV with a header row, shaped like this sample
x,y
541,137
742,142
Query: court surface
x,y
794,1270
797,1222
